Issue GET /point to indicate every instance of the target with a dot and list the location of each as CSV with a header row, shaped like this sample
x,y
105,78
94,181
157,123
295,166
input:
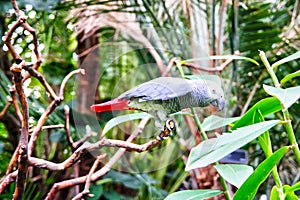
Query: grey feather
x,y
166,95
163,88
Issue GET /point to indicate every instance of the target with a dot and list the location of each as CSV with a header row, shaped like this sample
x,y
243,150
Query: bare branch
x,y
86,190
88,134
12,91
252,93
41,163
7,38
67,127
9,102
8,179
64,82
23,143
13,161
42,80
98,174
16,7
49,110
49,127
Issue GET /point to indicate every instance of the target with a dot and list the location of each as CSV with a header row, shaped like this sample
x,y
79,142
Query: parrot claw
x,y
168,130
171,124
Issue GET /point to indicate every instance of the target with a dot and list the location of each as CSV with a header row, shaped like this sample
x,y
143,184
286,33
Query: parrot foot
x,y
168,131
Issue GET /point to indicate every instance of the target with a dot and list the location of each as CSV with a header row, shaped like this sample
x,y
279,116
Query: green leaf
x,y
127,180
213,122
286,96
293,188
222,58
264,139
289,76
275,193
214,149
287,59
235,174
96,190
289,191
266,106
193,194
123,118
260,174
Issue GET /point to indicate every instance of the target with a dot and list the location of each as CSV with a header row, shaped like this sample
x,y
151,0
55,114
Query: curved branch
x,y
64,82
98,174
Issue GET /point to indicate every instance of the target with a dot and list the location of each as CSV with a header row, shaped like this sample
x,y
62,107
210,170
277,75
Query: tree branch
x,y
49,110
98,174
9,102
23,143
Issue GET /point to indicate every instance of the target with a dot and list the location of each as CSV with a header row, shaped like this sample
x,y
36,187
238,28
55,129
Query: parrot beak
x,y
220,103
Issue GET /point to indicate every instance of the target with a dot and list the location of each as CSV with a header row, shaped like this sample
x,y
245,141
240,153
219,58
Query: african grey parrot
x,y
163,96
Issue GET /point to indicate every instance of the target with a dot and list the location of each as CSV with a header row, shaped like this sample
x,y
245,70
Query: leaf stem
x,y
204,136
288,126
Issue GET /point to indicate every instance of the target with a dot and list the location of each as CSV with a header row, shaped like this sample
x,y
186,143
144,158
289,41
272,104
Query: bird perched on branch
x,y
163,96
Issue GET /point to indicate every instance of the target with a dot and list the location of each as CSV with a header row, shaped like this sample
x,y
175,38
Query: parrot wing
x,y
163,88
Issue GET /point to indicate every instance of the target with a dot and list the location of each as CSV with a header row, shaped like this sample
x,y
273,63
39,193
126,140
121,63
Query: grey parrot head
x,y
217,95
220,103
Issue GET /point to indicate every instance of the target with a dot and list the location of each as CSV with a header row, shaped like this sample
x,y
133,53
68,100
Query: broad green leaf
x,y
123,118
211,150
287,59
248,190
193,194
222,58
289,77
235,174
213,122
266,106
286,96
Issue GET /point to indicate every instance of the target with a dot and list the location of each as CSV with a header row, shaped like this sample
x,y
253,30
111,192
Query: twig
x,y
12,91
35,41
13,161
98,174
169,67
5,109
194,66
67,127
16,7
252,93
209,69
88,134
42,80
49,110
86,190
7,38
64,82
8,179
49,127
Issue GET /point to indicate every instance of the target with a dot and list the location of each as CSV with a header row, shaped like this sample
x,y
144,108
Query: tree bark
x,y
89,60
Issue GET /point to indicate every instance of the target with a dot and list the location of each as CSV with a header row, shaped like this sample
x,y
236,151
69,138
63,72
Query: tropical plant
x,y
128,42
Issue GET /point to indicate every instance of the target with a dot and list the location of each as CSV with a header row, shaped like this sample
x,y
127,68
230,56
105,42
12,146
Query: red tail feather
x,y
115,104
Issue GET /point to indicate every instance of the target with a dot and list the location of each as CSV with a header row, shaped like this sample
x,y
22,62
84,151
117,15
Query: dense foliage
x,y
121,44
